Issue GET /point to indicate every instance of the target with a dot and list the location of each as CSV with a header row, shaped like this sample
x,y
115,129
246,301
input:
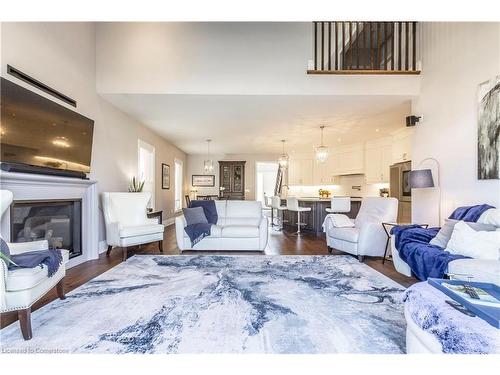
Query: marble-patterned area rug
x,y
223,304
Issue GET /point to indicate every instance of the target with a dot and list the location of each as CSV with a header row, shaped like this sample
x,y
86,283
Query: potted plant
x,y
136,186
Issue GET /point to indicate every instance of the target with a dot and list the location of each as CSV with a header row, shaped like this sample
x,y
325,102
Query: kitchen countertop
x,y
318,199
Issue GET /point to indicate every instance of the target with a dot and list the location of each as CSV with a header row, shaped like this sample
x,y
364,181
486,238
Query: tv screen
x,y
36,131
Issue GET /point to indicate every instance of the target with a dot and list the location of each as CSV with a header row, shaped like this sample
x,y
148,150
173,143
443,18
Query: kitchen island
x,y
314,219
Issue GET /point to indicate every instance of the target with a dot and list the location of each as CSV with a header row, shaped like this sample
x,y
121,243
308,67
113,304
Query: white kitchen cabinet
x,y
303,169
372,165
386,163
300,172
320,174
378,158
349,160
323,173
401,146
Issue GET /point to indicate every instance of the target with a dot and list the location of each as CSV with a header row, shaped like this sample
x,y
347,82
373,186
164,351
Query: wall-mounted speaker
x,y
412,120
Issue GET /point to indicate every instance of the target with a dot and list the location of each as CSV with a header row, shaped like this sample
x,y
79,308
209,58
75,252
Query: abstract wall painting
x,y
488,142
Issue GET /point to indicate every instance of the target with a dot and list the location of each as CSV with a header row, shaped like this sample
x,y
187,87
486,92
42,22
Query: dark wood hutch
x,y
232,179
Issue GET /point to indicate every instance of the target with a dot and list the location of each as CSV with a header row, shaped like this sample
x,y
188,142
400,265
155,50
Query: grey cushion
x,y
194,215
446,230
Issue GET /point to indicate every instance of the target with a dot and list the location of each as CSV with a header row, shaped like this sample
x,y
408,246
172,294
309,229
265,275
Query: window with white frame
x,y
178,173
146,168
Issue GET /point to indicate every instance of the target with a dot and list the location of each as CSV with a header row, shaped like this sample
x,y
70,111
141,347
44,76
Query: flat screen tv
x,y
38,132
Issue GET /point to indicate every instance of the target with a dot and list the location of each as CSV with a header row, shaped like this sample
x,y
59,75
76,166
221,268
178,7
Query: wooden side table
x,y
387,228
158,214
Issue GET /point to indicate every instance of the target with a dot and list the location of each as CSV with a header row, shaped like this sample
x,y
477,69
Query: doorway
x,y
265,179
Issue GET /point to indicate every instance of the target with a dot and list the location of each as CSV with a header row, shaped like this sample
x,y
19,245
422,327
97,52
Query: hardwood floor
x,y
280,243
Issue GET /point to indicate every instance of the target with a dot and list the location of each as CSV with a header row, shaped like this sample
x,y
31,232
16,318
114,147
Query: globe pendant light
x,y
283,159
208,164
321,151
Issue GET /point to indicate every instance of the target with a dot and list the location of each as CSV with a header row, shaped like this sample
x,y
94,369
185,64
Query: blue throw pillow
x,y
209,208
195,215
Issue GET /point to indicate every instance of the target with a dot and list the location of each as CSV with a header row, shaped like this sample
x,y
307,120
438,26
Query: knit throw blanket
x,y
197,232
456,332
52,258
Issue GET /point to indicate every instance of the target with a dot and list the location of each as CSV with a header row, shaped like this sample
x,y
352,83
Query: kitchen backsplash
x,y
345,187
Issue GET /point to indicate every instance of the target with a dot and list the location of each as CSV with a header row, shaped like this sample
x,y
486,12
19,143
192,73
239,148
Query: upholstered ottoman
x,y
433,326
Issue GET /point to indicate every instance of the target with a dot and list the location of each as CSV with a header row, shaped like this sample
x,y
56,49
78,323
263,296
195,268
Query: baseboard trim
x,y
103,246
170,221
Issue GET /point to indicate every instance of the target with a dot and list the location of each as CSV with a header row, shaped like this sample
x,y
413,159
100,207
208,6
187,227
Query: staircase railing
x,y
279,181
351,47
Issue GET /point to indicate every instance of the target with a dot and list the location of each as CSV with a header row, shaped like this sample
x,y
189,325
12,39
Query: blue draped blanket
x,y
197,232
52,258
424,259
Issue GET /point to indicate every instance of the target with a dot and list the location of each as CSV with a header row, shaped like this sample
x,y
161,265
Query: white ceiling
x,y
251,124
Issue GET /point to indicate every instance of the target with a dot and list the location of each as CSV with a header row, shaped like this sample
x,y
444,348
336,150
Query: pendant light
x,y
283,159
208,164
321,151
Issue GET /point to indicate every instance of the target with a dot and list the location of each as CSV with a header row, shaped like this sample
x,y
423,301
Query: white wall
x,y
254,58
62,55
457,57
195,166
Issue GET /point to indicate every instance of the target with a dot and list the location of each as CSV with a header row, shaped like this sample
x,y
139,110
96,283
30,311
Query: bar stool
x,y
340,205
292,204
276,205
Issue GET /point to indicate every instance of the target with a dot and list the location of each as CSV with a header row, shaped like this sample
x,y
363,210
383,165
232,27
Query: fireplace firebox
x,y
57,221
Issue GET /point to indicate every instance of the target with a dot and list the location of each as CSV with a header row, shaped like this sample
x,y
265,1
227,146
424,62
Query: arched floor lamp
x,y
422,178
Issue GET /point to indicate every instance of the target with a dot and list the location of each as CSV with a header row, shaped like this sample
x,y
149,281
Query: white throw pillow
x,y
491,216
475,244
341,221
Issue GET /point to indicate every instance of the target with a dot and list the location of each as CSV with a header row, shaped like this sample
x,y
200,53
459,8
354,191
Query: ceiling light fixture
x,y
321,151
283,159
208,164
61,142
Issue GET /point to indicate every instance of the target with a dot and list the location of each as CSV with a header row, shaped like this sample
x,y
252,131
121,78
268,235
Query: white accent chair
x,y
127,223
276,205
240,227
292,204
21,288
367,237
339,205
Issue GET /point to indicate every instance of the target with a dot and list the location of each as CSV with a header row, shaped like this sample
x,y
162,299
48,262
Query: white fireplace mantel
x,y
26,186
